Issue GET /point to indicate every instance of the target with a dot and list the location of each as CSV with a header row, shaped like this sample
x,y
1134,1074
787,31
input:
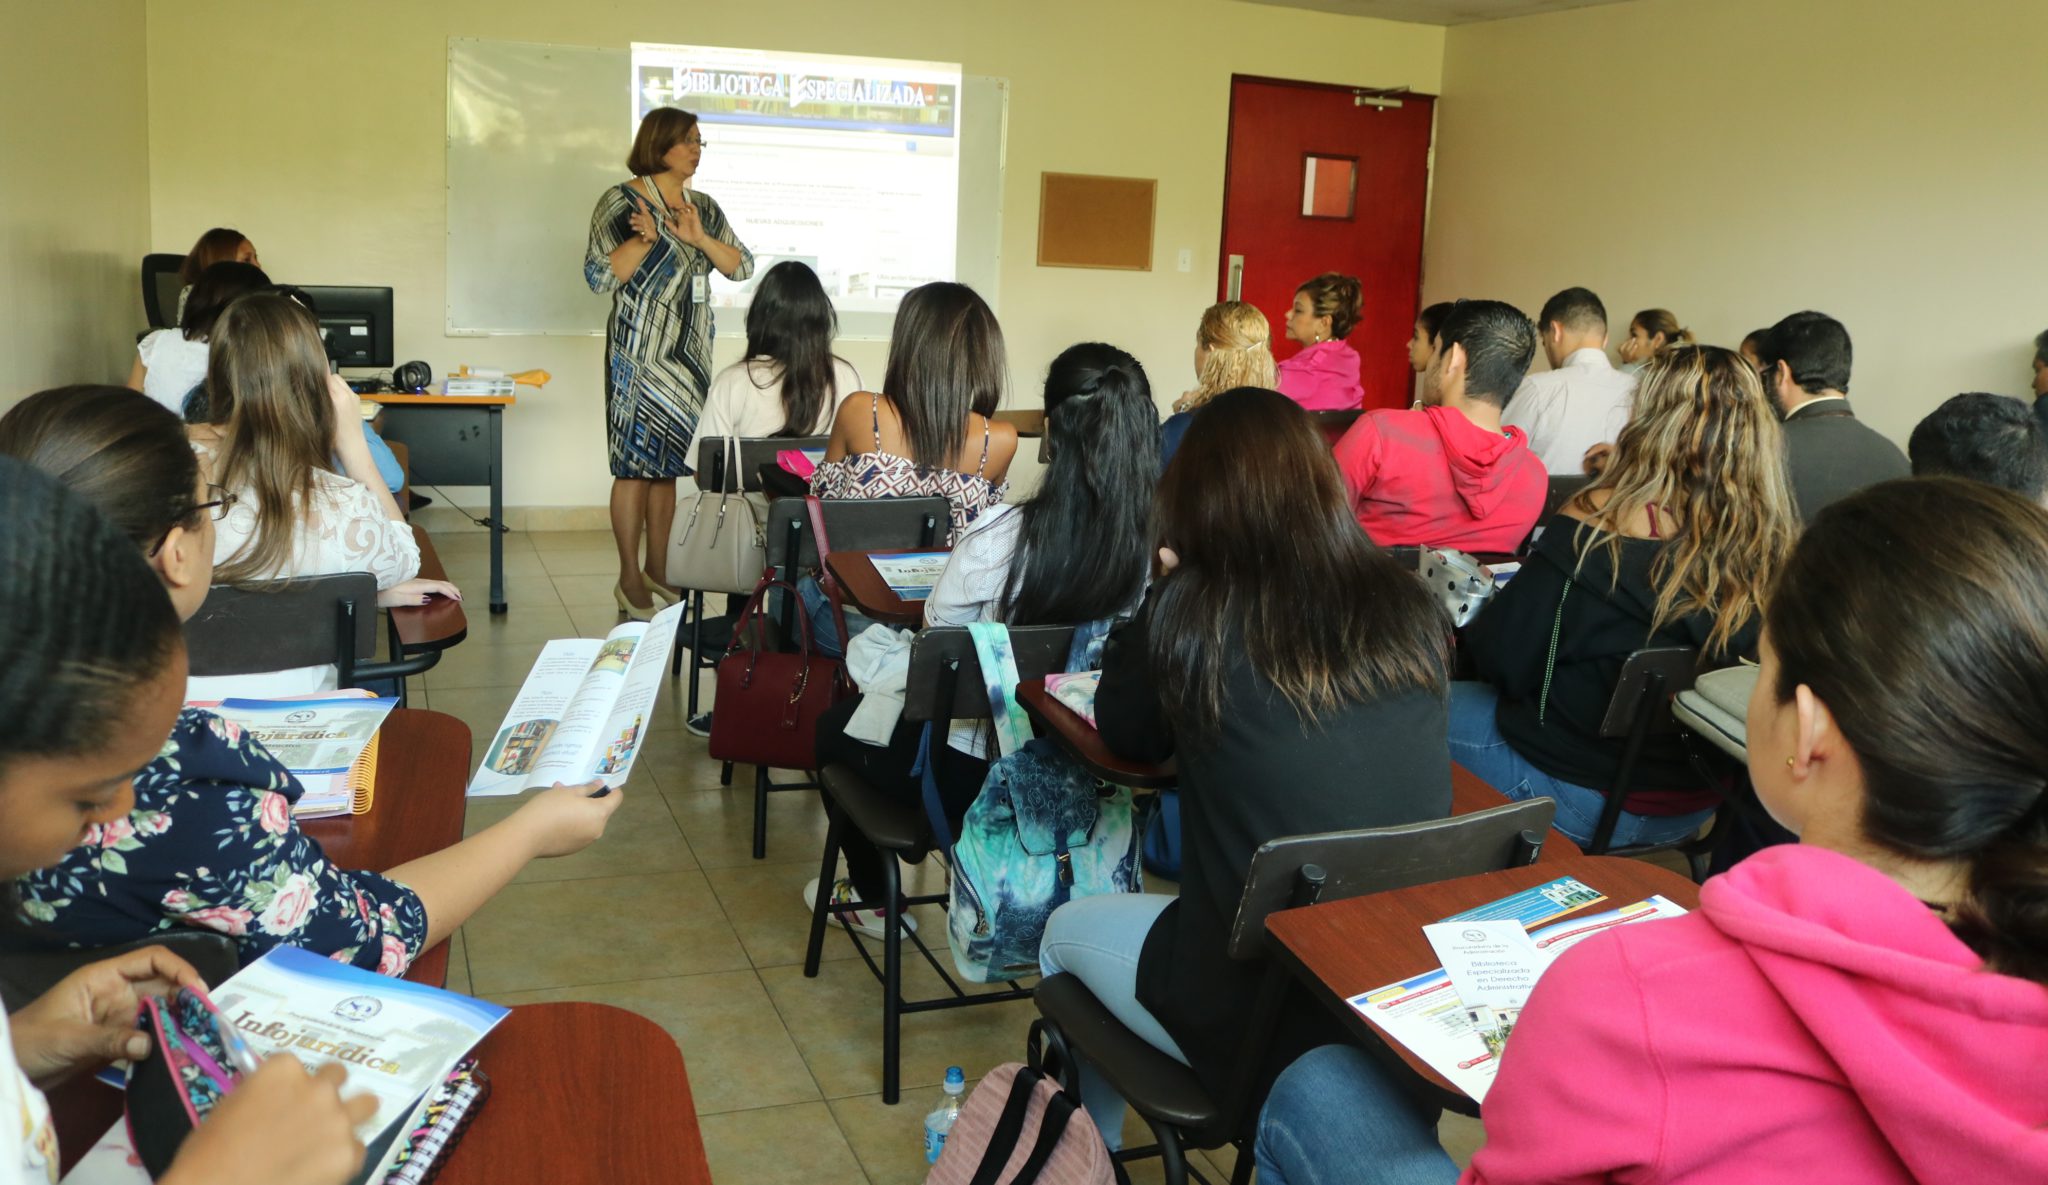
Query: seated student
x,y
1323,374
790,383
171,363
1673,545
1865,1005
1987,438
80,708
219,245
1075,553
1650,333
1447,474
1831,454
208,840
1422,346
1582,400
1232,349
277,419
1751,342
1296,675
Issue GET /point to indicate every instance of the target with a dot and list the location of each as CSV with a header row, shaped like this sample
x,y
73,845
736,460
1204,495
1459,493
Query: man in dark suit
x,y
1829,452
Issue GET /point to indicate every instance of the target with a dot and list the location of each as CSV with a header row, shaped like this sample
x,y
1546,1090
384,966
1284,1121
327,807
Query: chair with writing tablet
x,y
1641,708
1285,874
161,284
276,625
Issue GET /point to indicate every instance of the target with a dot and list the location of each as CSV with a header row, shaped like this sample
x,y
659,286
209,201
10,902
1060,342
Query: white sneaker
x,y
868,921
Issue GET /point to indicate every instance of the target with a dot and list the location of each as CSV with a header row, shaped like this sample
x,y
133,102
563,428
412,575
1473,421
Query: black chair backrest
x,y
1562,486
1375,860
281,624
160,287
1662,672
715,456
945,680
870,524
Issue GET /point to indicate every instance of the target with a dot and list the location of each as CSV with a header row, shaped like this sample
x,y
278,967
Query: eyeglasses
x,y
699,142
222,499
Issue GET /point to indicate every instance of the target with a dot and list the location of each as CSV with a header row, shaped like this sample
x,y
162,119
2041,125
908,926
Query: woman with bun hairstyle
x,y
1323,376
1651,333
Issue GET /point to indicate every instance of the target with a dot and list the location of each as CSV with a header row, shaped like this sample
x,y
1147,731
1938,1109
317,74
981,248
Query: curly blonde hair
x,y
1704,448
1240,355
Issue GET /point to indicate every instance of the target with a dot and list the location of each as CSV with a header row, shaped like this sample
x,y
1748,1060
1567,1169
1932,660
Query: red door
x,y
1323,179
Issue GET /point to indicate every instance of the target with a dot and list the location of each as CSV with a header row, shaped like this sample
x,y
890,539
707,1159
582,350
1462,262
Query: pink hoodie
x,y
1323,377
1811,1023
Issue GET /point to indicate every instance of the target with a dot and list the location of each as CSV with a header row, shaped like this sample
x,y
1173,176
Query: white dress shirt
x,y
1568,410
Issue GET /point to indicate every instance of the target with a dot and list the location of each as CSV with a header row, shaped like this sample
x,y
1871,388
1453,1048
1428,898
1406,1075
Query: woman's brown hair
x,y
1274,567
219,245
1339,297
266,383
946,360
660,130
1703,449
121,450
1655,321
1915,611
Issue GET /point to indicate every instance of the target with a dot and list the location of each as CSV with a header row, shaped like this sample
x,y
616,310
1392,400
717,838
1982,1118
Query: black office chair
x,y
274,625
1562,487
160,287
1641,709
944,685
1285,873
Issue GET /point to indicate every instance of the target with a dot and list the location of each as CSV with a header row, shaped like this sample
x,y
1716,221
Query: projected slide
x,y
851,165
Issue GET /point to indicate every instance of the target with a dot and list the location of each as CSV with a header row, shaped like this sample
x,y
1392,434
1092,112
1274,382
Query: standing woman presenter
x,y
653,244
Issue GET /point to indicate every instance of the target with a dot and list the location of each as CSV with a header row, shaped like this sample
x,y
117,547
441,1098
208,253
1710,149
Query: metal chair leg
x,y
696,662
827,870
1241,1171
725,775
892,978
1173,1160
760,812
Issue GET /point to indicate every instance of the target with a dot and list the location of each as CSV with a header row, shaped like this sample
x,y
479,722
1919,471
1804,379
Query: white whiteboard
x,y
536,133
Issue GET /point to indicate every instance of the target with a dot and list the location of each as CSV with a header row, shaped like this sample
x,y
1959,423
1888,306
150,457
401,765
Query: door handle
x,y
1236,284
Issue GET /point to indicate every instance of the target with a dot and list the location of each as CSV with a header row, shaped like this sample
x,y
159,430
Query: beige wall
x,y
318,130
74,192
1737,160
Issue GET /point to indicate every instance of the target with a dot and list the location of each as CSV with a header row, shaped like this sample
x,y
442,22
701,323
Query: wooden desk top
x,y
1027,422
438,624
1084,744
1341,948
581,1092
398,399
869,592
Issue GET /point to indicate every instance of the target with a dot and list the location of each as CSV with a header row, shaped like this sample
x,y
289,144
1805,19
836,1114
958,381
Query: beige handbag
x,y
719,542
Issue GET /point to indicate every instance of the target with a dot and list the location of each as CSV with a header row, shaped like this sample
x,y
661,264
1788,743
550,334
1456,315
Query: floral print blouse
x,y
211,844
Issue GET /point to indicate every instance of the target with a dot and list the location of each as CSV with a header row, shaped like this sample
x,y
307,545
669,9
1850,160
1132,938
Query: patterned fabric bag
x,y
1041,833
186,1075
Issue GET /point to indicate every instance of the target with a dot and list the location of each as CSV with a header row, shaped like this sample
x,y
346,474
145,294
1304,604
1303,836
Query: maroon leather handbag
x,y
769,701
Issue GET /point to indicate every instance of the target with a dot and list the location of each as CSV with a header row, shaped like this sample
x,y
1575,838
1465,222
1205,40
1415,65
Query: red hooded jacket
x,y
1432,478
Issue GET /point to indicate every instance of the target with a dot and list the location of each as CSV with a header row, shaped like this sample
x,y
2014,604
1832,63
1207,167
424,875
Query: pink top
x,y
1323,377
1812,1022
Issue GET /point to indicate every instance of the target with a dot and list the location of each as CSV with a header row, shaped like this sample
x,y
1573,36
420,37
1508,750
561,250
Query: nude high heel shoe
x,y
633,612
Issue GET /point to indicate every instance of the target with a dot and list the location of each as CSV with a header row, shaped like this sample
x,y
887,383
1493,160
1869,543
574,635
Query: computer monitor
x,y
355,323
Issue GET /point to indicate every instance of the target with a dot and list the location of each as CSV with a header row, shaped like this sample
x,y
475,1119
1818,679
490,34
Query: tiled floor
x,y
671,917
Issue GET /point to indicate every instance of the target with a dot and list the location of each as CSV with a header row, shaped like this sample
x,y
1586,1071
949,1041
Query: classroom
x,y
1426,484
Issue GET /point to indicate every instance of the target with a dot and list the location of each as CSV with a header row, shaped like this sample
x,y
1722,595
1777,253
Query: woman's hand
x,y
644,226
348,414
1594,463
687,223
88,1018
563,820
416,592
279,1126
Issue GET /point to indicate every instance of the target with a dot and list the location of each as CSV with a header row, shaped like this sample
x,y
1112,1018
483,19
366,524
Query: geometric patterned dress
x,y
658,341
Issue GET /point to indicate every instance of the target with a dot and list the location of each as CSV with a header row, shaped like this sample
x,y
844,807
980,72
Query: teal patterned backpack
x,y
1042,832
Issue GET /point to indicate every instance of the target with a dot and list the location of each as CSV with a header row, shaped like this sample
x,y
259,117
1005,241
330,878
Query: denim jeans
x,y
1477,745
1097,940
1337,1115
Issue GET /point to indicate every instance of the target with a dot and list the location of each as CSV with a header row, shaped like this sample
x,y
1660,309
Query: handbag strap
x,y
815,508
1009,1127
752,612
928,787
1059,1108
999,675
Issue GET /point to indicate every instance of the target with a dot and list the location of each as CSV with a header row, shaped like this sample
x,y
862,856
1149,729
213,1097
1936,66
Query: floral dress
x,y
211,845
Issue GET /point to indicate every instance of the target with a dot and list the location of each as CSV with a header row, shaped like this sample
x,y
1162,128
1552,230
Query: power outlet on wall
x,y
1187,259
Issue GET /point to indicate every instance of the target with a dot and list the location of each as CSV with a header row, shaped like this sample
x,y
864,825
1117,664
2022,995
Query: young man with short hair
x,y
1989,438
1829,452
1583,400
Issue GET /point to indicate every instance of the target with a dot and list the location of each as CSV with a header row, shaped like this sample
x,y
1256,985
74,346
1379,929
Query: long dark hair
x,y
791,322
1274,566
1084,542
121,450
945,361
215,288
1939,683
84,622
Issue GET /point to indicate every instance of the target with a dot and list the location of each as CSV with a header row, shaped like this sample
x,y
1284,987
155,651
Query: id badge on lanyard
x,y
700,288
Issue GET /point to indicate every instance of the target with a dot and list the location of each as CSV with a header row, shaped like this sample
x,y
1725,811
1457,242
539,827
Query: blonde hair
x,y
1655,321
266,387
1704,448
1237,338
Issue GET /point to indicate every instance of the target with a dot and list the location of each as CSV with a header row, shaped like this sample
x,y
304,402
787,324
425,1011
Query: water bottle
x,y
939,1123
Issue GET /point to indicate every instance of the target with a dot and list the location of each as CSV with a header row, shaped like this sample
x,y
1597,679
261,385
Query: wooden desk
x,y
1341,948
422,777
457,440
869,592
1081,742
434,626
1470,795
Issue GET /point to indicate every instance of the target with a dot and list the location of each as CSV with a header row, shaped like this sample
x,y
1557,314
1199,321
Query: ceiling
x,y
1437,12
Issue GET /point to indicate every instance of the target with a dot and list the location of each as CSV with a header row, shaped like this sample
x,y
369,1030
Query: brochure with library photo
x,y
583,712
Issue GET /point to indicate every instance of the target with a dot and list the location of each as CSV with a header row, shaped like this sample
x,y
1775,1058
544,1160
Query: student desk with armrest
x,y
457,440
870,593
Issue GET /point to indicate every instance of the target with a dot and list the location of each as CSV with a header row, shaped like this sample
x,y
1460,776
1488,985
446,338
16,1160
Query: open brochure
x,y
583,711
1461,1040
322,739
397,1039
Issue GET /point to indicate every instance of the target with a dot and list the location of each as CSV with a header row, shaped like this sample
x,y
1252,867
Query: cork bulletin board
x,y
1091,221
